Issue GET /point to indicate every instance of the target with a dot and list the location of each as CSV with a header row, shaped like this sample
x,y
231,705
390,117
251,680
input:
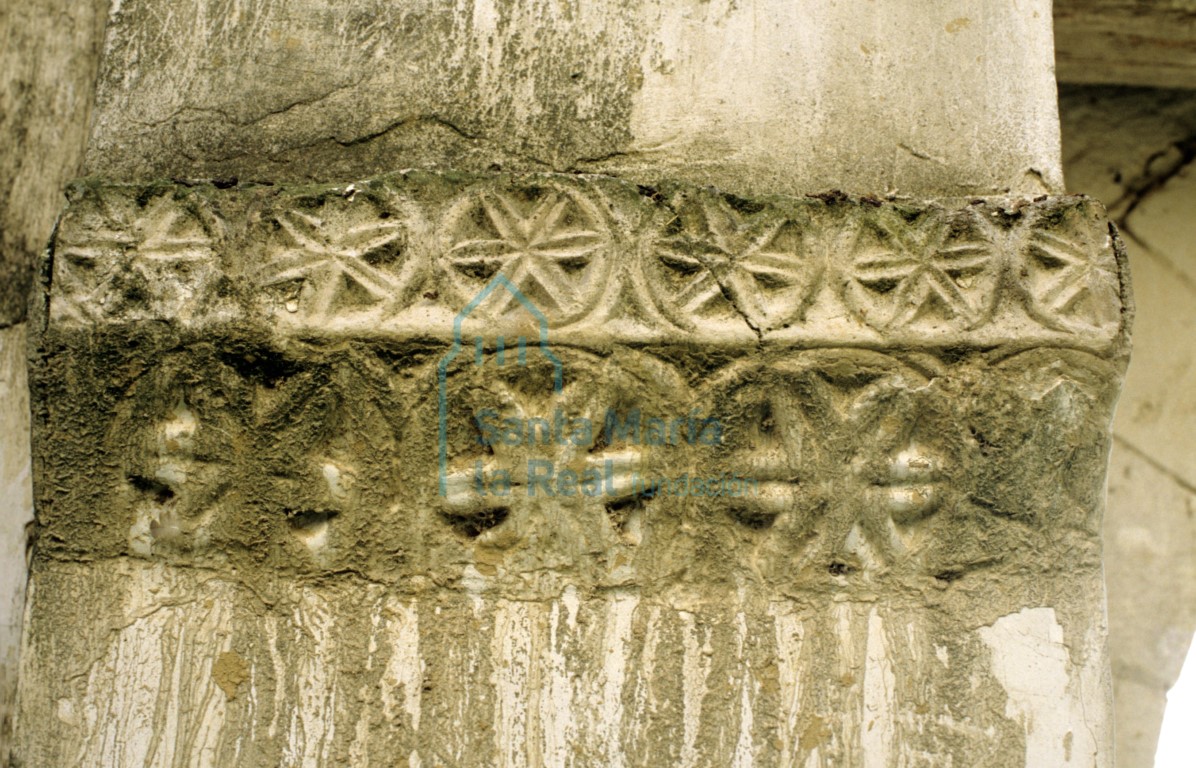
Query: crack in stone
x,y
434,119
176,116
729,294
921,155
1156,464
225,116
305,102
1171,161
576,166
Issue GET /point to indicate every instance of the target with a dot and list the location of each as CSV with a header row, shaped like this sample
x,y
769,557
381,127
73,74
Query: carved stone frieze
x,y
616,475
605,262
391,376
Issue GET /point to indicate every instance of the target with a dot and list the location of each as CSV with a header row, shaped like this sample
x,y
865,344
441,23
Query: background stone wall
x,y
49,52
1134,149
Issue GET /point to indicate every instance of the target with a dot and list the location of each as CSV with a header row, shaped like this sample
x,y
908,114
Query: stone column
x,y
16,513
597,431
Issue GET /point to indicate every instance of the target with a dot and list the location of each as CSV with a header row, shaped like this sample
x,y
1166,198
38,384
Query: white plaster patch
x,y
556,711
402,680
880,685
1034,666
744,757
695,670
150,700
313,719
790,632
615,645
515,682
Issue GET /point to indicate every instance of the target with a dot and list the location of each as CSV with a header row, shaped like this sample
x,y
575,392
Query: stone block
x,y
949,98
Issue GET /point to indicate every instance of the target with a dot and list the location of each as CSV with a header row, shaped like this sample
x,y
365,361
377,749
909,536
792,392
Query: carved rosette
x,y
924,269
344,258
601,260
396,366
551,240
146,257
649,476
719,259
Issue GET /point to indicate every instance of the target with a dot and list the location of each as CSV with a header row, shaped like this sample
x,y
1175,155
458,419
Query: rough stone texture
x,y
893,558
1126,42
48,64
237,393
758,97
1134,149
49,55
16,511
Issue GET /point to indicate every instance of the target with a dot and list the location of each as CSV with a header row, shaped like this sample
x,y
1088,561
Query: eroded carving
x,y
517,445
924,268
601,259
1069,273
839,444
342,256
716,263
136,259
550,240
878,372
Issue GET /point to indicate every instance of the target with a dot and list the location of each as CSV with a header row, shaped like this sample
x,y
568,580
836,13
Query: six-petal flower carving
x,y
718,263
549,242
347,257
931,272
1070,285
150,262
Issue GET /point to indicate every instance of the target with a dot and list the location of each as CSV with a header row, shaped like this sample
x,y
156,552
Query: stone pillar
x,y
16,513
493,461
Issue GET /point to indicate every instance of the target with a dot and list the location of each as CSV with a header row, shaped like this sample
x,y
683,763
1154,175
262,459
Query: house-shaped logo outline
x,y
499,280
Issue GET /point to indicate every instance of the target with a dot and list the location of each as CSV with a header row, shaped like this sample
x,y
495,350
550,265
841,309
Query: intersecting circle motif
x,y
715,263
932,270
1068,274
342,255
549,240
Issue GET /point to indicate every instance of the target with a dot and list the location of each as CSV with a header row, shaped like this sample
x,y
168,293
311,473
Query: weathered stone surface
x,y
49,55
48,64
604,260
346,672
16,512
1126,42
758,97
271,454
